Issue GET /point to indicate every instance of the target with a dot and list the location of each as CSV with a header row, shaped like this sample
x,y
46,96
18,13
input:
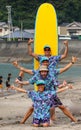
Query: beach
x,y
13,107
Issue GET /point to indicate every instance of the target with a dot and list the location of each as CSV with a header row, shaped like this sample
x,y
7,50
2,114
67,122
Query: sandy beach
x,y
13,108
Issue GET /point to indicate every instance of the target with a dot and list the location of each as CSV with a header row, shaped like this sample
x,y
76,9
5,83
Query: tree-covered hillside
x,y
24,11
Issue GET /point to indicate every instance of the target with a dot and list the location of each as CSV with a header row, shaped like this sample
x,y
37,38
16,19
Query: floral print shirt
x,y
42,102
49,81
52,71
53,60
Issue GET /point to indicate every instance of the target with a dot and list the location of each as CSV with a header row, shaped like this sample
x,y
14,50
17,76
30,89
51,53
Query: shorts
x,y
7,85
39,121
19,78
56,101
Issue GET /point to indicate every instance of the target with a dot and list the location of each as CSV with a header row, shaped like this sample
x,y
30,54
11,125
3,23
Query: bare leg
x,y
67,113
52,112
35,125
27,115
46,124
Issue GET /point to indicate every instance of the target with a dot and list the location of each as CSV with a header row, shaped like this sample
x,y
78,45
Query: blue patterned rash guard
x,y
53,60
42,103
49,81
52,71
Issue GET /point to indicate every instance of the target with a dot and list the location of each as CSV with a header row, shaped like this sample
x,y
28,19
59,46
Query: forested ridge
x,y
24,11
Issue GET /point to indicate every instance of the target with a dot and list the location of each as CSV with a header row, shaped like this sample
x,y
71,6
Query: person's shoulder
x,y
55,56
49,93
34,93
50,77
37,74
30,92
35,71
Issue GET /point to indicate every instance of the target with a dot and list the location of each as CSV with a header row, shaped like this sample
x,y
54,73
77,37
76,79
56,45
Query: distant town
x,y
65,31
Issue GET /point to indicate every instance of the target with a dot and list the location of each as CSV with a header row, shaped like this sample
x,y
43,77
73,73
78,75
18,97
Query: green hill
x,y
24,11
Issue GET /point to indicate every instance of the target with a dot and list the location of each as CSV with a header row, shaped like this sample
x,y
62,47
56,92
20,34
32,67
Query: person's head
x,y
9,74
1,77
41,85
43,71
44,61
47,50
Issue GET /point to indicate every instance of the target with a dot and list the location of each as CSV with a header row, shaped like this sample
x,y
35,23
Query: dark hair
x,y
47,48
1,77
9,74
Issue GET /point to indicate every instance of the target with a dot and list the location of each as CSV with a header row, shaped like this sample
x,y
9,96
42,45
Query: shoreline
x,y
11,59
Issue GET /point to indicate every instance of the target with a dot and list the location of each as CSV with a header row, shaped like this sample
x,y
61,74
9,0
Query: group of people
x,y
45,99
7,83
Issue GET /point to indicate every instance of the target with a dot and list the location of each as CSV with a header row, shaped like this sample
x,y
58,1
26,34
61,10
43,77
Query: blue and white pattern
x,y
49,81
53,60
42,103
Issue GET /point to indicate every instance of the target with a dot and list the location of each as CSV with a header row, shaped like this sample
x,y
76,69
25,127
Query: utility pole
x,y
21,30
9,21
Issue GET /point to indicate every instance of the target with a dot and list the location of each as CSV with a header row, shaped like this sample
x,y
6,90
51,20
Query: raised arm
x,y
18,89
69,86
74,59
64,55
29,71
15,63
30,52
22,82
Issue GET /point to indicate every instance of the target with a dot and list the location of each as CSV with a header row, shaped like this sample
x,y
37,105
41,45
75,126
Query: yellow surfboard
x,y
45,31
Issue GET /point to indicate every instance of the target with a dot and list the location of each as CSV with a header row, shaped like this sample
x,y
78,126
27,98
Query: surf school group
x,y
44,97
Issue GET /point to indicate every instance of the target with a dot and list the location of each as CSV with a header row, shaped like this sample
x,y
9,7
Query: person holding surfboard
x,y
47,53
50,82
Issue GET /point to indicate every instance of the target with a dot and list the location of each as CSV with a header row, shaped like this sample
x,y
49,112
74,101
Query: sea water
x,y
71,75
6,68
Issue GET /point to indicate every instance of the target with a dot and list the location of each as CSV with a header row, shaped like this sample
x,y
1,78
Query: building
x,y
74,28
62,29
3,29
70,29
32,31
20,35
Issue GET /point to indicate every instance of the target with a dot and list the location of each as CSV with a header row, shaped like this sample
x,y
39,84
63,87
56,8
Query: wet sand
x,y
13,108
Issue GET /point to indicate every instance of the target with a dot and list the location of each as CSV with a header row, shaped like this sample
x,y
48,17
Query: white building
x,y
70,29
74,28
3,29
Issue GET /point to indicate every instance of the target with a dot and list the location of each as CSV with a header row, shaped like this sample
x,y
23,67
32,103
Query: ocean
x,y
6,68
